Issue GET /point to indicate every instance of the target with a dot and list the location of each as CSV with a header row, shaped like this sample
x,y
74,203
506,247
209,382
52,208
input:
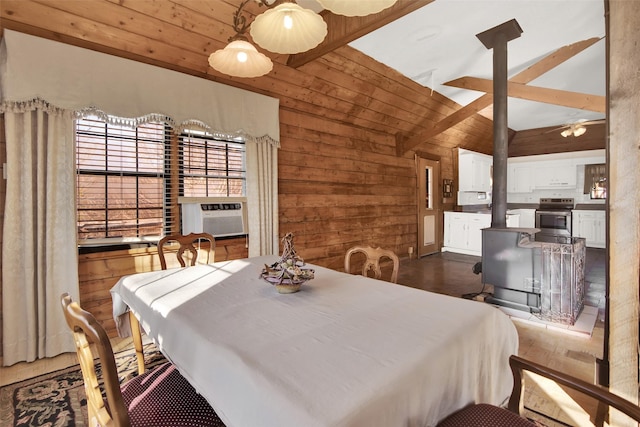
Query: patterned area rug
x,y
57,399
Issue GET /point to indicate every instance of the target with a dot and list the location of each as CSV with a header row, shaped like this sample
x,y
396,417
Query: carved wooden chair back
x,y
189,248
86,330
372,261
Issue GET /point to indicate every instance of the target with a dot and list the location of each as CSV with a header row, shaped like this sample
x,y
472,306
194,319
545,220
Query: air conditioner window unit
x,y
219,219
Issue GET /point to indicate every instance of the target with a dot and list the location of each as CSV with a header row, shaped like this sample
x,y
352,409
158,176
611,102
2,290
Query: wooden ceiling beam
x,y
342,30
405,143
564,98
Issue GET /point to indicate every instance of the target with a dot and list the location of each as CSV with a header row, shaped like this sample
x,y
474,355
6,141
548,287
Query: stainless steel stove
x,y
553,218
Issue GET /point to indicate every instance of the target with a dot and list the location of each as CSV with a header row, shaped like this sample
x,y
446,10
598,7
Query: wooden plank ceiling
x,y
341,85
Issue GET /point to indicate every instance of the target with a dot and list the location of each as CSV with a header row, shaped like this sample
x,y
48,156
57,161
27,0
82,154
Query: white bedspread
x,y
344,351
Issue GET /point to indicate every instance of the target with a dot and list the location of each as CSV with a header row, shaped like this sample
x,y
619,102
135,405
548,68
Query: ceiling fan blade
x,y
592,122
558,128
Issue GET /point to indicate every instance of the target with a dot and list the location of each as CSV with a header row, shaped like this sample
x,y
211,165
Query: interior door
x,y
429,206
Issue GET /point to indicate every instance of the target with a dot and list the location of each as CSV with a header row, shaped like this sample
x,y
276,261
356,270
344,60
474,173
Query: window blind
x,y
211,167
124,181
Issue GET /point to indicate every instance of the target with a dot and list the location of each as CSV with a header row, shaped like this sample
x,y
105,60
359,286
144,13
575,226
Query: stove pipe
x,y
496,38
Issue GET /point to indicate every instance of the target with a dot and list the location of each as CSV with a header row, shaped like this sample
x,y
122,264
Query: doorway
x,y
429,206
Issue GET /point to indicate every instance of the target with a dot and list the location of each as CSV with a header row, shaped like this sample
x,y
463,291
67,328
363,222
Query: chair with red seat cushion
x,y
484,415
158,398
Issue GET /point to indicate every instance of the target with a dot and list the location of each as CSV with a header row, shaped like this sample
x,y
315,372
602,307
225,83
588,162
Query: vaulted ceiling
x,y
180,35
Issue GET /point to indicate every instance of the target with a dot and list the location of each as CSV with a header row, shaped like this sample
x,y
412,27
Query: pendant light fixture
x,y
288,29
240,58
356,7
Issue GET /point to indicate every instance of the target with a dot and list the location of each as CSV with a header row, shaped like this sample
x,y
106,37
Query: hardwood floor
x,y
451,274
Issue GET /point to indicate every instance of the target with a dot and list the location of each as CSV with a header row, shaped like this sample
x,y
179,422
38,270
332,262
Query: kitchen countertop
x,y
590,207
522,205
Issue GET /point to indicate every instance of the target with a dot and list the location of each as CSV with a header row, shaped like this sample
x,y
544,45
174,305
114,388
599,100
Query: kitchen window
x,y
595,181
129,179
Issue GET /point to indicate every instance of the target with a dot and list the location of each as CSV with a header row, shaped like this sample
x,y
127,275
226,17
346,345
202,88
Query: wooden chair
x,y
488,415
372,261
162,396
186,245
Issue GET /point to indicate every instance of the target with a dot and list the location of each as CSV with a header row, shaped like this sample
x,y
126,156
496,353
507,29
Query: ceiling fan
x,y
577,128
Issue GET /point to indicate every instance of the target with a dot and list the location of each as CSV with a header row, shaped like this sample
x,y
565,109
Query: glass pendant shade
x,y
356,7
240,59
288,29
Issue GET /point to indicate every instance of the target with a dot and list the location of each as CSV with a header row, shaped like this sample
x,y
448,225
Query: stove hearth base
x,y
523,301
543,278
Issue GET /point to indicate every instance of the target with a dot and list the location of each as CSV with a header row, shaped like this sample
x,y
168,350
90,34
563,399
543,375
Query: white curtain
x,y
262,197
39,253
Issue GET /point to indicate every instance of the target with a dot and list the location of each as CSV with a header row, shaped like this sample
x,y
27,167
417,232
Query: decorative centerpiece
x,y
287,274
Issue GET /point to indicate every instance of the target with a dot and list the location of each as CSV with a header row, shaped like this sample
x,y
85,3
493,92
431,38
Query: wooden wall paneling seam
x,y
301,187
95,32
172,26
195,16
291,120
388,103
354,63
338,242
414,100
327,107
369,225
336,134
347,172
306,141
332,146
311,200
309,214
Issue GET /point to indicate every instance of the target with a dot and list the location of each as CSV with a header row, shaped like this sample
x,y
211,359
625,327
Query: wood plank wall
x,y
549,141
340,180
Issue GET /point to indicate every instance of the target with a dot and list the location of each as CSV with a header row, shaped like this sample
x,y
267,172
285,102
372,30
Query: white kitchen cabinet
x,y
474,171
520,178
555,174
455,229
463,232
592,225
